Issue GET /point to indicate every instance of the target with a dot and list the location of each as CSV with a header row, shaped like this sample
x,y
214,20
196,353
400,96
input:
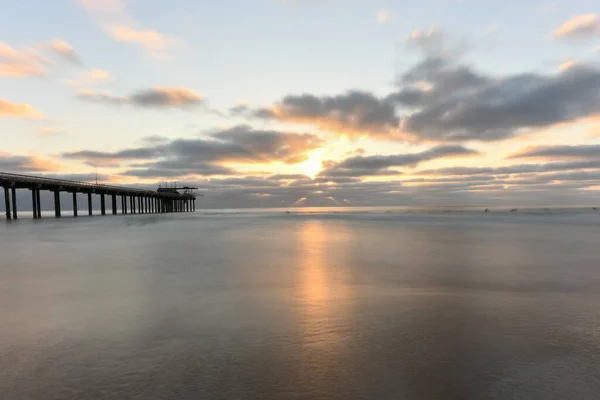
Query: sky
x,y
285,103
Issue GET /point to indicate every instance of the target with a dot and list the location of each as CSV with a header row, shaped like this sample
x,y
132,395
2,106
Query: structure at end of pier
x,y
133,201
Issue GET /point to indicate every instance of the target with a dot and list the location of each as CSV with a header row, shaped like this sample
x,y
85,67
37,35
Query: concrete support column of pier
x,y
74,204
89,204
131,205
102,204
39,203
57,213
7,203
33,204
14,203
139,205
114,204
123,205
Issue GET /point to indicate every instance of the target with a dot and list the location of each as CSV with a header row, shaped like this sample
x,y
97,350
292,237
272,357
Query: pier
x,y
133,201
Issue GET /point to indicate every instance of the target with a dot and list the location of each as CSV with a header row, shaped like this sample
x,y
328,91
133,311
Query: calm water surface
x,y
327,305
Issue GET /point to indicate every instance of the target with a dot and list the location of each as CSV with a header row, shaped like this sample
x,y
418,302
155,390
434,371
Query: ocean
x,y
424,304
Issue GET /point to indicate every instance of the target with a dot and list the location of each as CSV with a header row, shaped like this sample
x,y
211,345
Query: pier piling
x,y
57,212
74,204
7,203
38,203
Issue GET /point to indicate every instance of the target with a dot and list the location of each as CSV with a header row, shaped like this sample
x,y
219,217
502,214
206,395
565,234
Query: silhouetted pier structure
x,y
140,201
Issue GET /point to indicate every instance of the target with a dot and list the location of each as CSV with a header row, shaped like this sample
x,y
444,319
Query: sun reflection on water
x,y
323,294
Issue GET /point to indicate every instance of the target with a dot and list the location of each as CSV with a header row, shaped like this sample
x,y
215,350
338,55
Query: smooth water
x,y
323,305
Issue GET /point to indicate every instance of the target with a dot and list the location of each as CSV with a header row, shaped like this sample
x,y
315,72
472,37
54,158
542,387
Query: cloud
x,y
385,16
117,24
379,165
21,63
514,169
8,109
351,113
20,164
567,65
591,151
155,97
152,40
101,97
579,27
182,157
440,100
430,41
162,96
98,75
65,50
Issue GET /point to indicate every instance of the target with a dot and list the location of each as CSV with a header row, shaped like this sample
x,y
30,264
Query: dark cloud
x,y
379,165
241,144
463,105
21,164
281,177
579,151
514,169
441,100
354,111
155,97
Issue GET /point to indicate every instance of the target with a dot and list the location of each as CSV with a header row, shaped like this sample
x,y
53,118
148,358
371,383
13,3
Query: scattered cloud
x,y
65,50
155,42
117,24
239,144
379,165
567,64
591,151
21,63
157,96
385,16
98,75
580,27
8,109
431,41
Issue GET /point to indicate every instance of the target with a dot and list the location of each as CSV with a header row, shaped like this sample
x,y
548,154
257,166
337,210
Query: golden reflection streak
x,y
321,296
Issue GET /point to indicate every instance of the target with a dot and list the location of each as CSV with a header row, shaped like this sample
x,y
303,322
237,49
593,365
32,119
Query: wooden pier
x,y
133,201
